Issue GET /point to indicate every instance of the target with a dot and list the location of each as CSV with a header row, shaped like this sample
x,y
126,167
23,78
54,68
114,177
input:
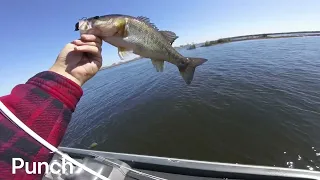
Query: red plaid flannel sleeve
x,y
45,104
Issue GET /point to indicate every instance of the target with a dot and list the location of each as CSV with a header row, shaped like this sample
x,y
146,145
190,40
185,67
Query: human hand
x,y
79,60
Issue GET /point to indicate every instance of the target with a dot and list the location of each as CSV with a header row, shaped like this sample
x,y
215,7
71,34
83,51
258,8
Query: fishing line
x,y
7,113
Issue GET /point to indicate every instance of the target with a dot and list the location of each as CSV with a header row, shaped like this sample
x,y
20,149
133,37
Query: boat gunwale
x,y
230,169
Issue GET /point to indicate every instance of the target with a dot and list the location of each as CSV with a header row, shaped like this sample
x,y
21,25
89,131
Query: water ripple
x,y
253,102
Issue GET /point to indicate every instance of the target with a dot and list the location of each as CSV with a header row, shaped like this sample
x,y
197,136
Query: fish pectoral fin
x,y
123,52
158,64
169,35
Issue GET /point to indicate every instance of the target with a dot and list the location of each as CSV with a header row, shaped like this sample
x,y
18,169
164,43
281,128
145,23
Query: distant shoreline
x,y
261,36
232,39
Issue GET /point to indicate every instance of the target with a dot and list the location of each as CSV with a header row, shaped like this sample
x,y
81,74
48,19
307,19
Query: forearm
x,y
45,104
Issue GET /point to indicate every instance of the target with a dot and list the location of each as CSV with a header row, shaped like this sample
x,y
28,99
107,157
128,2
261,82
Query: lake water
x,y
254,102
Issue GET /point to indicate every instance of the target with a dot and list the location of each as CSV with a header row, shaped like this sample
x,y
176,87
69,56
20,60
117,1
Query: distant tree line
x,y
254,36
226,40
192,46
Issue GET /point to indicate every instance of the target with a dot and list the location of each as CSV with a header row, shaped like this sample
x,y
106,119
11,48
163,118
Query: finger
x,y
90,37
89,49
81,43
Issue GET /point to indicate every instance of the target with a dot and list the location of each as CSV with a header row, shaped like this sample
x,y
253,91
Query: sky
x,y
34,31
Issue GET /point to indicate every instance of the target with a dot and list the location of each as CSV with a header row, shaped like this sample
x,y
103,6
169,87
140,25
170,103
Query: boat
x,y
121,166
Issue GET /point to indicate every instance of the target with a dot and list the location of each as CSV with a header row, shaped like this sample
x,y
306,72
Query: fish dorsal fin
x,y
147,21
169,35
158,64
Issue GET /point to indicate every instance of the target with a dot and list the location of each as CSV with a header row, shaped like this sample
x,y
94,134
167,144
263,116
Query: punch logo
x,y
37,167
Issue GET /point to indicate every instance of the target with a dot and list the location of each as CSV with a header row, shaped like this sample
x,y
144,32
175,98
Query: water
x,y
254,102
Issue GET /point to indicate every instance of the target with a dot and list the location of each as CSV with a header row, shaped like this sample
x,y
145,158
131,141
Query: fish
x,y
138,35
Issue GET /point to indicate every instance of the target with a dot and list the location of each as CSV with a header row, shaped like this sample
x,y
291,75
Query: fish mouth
x,y
88,25
76,27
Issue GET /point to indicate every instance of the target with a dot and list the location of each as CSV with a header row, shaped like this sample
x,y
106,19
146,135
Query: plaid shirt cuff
x,y
58,86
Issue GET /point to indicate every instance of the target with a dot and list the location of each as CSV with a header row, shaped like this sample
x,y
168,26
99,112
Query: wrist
x,y
66,74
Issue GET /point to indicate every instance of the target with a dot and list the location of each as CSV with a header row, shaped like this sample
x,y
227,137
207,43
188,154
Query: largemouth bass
x,y
139,36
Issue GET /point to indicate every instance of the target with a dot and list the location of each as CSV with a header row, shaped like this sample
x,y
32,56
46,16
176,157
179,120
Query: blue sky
x,y
33,32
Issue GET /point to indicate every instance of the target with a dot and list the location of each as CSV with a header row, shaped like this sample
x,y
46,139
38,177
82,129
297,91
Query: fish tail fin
x,y
187,71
